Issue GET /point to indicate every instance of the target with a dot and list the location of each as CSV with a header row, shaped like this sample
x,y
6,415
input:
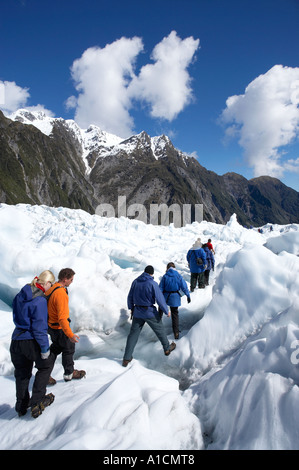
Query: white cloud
x,y
265,119
292,165
101,77
165,85
108,86
14,97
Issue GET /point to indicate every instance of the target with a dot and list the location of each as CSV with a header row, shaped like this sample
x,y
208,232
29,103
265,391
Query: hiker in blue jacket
x,y
172,285
143,295
196,258
30,345
210,262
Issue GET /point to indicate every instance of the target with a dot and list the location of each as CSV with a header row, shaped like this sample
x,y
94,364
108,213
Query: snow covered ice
x,y
231,383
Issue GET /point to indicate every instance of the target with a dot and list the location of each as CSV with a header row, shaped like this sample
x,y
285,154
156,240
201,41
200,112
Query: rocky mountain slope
x,y
52,161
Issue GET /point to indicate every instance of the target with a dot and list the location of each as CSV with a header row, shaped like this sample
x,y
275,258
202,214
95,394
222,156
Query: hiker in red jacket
x,y
210,246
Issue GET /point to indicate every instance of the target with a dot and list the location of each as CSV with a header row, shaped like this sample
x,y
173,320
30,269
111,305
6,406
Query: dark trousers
x,y
156,325
175,320
207,276
61,344
197,278
24,354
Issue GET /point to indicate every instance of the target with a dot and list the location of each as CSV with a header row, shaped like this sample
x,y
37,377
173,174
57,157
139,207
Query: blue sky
x,y
220,78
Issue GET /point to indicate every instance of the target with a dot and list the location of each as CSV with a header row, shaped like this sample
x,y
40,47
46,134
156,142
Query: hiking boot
x,y
22,412
176,335
77,374
126,362
21,407
36,410
171,348
51,381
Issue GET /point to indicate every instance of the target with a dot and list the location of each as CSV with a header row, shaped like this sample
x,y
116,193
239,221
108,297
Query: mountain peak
x,y
82,168
39,119
95,142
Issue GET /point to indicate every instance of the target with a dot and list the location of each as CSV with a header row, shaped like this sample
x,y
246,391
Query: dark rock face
x,y
60,170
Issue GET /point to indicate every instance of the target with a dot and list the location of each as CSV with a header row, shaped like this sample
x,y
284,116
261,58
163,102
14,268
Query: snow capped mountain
x,y
64,165
94,141
38,119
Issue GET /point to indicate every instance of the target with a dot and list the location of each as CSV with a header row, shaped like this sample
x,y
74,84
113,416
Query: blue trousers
x,y
137,324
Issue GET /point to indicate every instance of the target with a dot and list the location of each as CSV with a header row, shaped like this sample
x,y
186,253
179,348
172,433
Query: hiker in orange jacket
x,y
63,339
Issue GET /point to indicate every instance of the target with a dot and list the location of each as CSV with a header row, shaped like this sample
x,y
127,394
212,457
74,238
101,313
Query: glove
x,y
45,355
188,300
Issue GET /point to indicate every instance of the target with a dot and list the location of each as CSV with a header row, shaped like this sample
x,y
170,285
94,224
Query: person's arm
x,y
213,261
160,299
162,284
203,256
184,288
130,301
39,324
63,314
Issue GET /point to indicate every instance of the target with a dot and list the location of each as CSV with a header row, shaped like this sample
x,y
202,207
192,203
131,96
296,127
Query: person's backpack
x,y
199,261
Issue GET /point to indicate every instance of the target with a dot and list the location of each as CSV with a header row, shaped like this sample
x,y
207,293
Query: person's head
x,y
197,243
66,276
149,270
46,279
170,265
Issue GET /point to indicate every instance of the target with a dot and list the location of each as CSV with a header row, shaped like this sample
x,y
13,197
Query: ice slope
x,y
231,383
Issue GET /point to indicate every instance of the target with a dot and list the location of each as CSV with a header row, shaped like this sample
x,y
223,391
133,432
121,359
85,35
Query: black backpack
x,y
199,261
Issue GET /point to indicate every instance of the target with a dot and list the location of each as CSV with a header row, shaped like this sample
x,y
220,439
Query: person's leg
x,y
157,326
44,369
136,327
23,371
201,280
175,321
61,344
193,281
68,351
55,347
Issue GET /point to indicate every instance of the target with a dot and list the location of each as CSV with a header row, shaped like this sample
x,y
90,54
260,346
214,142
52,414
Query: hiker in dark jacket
x,y
210,262
196,258
172,285
30,345
143,295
